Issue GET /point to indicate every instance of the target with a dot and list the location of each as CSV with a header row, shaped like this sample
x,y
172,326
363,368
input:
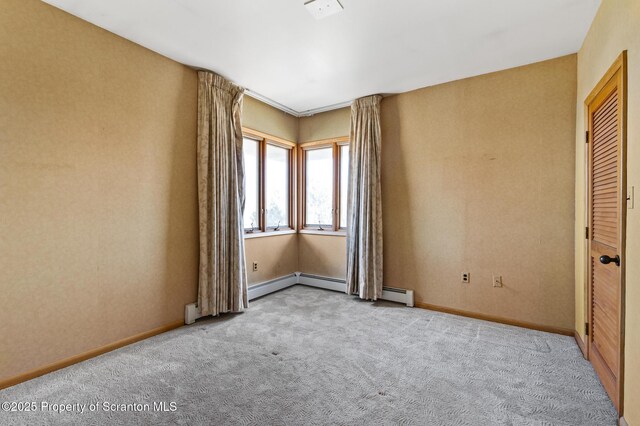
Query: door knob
x,y
607,260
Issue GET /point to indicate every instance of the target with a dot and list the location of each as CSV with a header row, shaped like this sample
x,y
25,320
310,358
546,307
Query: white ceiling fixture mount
x,y
303,66
322,8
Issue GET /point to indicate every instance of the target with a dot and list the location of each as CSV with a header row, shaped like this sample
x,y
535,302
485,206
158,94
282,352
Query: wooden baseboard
x,y
12,381
581,344
548,329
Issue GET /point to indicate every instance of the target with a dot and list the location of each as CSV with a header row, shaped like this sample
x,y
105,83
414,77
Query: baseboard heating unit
x,y
391,294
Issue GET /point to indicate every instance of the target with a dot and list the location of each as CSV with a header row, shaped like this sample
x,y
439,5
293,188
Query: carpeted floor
x,y
307,357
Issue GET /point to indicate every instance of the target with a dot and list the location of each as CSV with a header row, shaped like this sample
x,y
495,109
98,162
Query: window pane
x,y
344,184
319,187
250,152
277,186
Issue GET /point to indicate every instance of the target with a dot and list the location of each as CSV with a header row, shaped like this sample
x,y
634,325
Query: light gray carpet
x,y
305,356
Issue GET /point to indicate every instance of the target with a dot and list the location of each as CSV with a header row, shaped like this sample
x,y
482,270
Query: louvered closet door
x,y
606,216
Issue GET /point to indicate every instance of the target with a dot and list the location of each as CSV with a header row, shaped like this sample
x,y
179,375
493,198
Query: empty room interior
x,y
294,212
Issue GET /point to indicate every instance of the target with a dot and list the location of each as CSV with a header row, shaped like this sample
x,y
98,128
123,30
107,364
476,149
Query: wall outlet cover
x,y
497,280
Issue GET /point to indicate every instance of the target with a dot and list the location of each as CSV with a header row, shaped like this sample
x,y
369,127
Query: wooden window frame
x,y
334,144
263,140
338,164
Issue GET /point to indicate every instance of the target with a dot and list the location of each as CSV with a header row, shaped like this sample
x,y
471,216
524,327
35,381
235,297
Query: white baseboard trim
x,y
391,294
399,295
333,284
262,289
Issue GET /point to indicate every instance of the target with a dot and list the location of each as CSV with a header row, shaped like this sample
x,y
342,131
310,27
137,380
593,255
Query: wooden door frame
x,y
620,65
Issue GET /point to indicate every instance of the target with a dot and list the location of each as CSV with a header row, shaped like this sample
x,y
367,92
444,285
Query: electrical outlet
x,y
497,280
255,266
466,277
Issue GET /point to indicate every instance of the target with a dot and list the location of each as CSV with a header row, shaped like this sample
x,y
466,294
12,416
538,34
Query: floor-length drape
x,y
364,205
222,283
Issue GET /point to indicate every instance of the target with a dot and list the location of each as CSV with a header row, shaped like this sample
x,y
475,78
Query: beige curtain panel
x,y
223,276
364,208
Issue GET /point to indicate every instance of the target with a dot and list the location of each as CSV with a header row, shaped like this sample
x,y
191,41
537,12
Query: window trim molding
x,y
256,134
263,140
334,144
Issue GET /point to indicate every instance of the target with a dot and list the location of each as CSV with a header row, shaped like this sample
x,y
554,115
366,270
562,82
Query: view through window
x,y
277,187
319,187
344,183
251,166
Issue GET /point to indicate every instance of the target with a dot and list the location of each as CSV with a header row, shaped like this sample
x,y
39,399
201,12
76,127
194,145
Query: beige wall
x,y
615,28
324,255
277,256
327,125
98,236
257,115
478,176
